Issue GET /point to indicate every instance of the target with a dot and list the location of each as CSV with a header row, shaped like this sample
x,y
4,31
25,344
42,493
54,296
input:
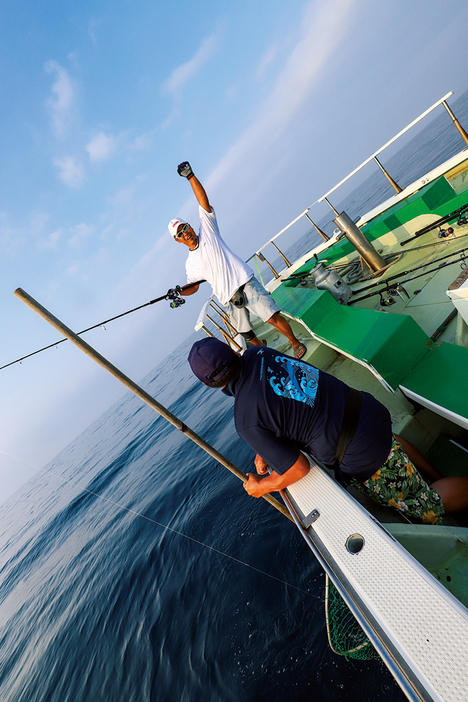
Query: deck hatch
x,y
355,543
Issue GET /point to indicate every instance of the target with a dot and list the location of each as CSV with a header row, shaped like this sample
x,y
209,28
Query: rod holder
x,y
373,259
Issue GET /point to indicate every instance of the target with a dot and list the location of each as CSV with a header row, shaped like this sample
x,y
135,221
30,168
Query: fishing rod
x,y
173,294
139,392
392,286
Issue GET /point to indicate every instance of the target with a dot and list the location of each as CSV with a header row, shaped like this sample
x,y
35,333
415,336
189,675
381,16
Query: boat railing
x,y
259,255
214,316
222,323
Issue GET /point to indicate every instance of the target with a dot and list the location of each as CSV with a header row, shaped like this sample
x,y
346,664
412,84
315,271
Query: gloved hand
x,y
172,293
184,169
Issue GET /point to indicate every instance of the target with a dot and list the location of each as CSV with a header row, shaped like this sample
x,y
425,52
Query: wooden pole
x,y
137,390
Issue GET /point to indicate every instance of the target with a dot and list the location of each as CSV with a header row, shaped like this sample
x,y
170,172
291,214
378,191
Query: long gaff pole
x,y
137,390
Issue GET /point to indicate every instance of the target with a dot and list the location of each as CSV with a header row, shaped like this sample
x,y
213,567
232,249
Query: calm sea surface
x,y
137,569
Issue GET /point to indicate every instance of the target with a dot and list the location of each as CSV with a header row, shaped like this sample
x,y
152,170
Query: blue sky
x,y
272,103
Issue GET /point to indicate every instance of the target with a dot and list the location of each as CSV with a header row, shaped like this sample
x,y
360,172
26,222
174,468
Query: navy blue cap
x,y
210,358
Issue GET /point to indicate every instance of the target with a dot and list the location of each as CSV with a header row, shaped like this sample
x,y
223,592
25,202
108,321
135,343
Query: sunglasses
x,y
181,232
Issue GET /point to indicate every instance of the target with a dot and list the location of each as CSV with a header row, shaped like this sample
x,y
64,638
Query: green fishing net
x,y
345,636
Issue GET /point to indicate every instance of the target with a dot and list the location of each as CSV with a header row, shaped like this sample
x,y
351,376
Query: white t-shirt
x,y
214,261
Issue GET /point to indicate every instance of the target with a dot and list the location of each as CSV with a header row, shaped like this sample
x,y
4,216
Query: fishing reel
x,y
387,297
445,232
173,294
177,302
386,300
462,219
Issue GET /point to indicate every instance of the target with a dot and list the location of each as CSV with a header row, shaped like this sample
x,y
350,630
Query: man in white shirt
x,y
231,278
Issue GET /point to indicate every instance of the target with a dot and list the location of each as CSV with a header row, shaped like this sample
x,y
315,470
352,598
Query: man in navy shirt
x,y
284,407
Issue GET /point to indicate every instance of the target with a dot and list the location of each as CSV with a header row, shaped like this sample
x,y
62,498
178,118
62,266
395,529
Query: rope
x,y
259,274
164,526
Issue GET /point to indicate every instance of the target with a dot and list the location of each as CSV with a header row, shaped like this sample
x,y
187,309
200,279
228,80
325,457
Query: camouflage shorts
x,y
398,484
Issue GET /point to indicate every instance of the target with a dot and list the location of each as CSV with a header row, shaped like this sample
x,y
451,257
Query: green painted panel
x,y
393,344
442,378
439,192
392,222
304,303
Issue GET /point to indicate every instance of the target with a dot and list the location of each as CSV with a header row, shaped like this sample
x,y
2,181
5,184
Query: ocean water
x,y
136,569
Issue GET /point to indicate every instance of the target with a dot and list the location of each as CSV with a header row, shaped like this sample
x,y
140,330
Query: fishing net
x,y
345,636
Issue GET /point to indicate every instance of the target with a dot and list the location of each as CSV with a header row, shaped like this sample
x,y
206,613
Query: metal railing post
x,y
388,176
322,234
214,306
464,135
282,255
223,332
262,259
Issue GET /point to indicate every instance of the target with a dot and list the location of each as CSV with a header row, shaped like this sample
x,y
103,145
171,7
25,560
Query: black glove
x,y
172,293
184,169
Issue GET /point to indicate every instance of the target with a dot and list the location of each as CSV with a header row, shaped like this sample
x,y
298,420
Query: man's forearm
x,y
189,289
258,486
200,194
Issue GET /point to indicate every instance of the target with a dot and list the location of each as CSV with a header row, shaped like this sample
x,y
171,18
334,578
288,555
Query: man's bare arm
x,y
200,194
257,486
184,169
189,289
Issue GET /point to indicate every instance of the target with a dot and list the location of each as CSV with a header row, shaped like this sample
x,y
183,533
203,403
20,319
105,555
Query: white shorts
x,y
257,301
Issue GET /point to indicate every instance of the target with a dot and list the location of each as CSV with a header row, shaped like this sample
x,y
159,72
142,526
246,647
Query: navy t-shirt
x,y
283,405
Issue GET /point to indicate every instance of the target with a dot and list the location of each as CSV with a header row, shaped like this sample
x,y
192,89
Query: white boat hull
x,y
417,626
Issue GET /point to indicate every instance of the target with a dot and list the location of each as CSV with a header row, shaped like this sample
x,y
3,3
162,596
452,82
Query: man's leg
x,y
256,341
258,301
399,484
283,327
240,320
453,490
428,471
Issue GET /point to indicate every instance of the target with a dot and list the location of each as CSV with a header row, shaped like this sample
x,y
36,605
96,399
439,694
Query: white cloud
x,y
182,74
267,59
321,32
60,105
71,172
92,30
38,221
101,147
79,234
123,199
50,242
141,143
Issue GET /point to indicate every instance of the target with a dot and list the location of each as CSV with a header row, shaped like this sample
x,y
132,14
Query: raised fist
x,y
185,170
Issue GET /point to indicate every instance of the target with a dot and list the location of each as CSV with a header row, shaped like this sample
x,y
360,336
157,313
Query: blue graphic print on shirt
x,y
295,380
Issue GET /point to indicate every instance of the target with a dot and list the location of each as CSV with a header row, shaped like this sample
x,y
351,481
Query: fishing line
x,y
164,526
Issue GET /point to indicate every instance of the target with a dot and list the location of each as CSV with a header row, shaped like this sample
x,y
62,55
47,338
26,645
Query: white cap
x,y
174,225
